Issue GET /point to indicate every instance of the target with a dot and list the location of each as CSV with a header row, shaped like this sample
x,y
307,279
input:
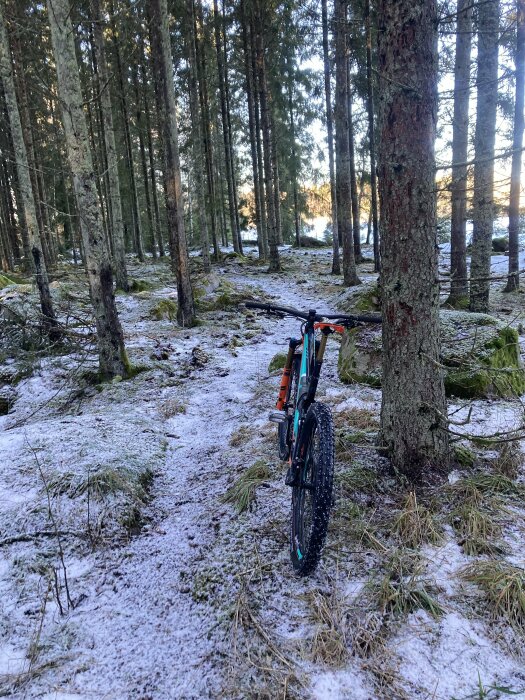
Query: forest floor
x,y
126,573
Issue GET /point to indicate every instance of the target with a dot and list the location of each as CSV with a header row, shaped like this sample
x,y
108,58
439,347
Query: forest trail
x,y
142,628
151,636
200,602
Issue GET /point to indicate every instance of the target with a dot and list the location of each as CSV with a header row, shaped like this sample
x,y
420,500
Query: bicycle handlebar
x,y
312,314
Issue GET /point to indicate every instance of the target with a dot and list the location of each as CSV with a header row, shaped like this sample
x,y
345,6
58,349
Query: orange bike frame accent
x,y
285,380
334,326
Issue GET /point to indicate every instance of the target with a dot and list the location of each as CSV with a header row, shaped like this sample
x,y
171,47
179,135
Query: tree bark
x,y
137,224
206,123
484,141
197,137
37,261
336,260
258,138
269,182
168,119
356,224
142,151
413,389
344,201
117,223
262,243
113,360
458,186
372,138
513,281
228,156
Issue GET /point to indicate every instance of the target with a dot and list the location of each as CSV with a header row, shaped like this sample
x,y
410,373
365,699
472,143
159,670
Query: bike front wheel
x,y
312,496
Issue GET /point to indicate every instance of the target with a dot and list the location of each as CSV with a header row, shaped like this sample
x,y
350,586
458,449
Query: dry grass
x,y
242,493
368,634
356,419
508,460
259,667
241,436
329,643
172,407
415,524
404,588
473,514
504,588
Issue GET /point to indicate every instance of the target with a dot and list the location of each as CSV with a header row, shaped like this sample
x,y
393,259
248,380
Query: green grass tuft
x,y
242,493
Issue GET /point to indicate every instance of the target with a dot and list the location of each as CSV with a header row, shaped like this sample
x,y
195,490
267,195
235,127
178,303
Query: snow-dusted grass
x,y
124,574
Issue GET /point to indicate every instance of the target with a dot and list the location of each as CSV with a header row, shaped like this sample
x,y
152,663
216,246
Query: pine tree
x,y
168,120
110,340
484,142
513,281
413,399
37,262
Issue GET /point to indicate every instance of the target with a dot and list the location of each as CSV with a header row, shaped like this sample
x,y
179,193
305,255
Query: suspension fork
x,y
287,373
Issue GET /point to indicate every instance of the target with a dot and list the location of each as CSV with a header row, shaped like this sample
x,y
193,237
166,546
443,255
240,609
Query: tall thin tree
x,y
344,200
117,223
168,116
513,281
336,260
110,340
458,186
37,262
484,143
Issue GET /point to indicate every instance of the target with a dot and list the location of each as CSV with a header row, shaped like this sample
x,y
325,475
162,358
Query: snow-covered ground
x,y
175,595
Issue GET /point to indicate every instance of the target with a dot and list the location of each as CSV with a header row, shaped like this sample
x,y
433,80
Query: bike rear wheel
x,y
312,497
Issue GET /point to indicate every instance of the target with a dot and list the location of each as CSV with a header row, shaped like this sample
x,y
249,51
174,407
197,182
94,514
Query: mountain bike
x,y
306,429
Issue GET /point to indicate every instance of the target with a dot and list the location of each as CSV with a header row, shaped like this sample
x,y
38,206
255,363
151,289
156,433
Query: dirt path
x,y
202,602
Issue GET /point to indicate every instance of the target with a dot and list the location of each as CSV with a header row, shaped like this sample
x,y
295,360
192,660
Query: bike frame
x,y
309,371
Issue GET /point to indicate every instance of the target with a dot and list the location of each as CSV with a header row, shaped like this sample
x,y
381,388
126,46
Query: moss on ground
x,y
481,356
277,362
165,309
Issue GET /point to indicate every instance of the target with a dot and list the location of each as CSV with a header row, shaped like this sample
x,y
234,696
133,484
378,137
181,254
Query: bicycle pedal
x,y
277,417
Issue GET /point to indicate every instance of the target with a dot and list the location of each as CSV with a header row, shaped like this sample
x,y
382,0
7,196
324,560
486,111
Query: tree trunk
x,y
484,140
228,157
413,404
336,260
513,281
258,138
112,354
27,193
197,137
356,227
372,138
458,186
264,98
117,223
200,46
295,164
142,152
168,120
250,98
137,224
275,168
344,201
